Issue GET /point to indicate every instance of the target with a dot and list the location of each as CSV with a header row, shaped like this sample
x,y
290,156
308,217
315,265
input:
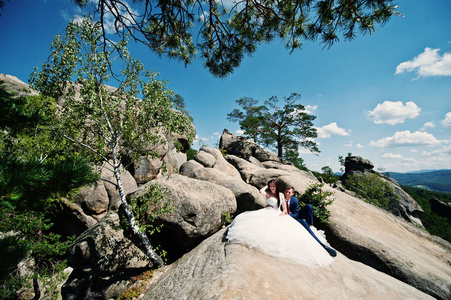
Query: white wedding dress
x,y
279,236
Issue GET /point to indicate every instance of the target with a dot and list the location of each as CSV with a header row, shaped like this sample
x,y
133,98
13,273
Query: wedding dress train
x,y
279,236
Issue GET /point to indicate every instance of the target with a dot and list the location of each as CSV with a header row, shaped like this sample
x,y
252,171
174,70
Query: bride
x,y
277,235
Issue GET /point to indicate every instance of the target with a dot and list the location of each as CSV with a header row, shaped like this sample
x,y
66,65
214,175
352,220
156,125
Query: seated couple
x,y
281,230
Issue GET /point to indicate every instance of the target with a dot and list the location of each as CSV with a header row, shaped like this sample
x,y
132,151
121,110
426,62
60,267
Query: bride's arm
x,y
284,205
263,191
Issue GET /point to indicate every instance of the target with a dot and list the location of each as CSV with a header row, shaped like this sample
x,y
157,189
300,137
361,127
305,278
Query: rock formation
x,y
407,207
380,255
209,165
197,208
219,270
441,208
103,259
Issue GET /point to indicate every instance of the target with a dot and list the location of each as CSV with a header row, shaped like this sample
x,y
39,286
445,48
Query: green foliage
x,y
138,286
35,182
110,124
433,223
292,155
190,153
319,199
179,104
33,238
146,209
149,206
226,218
225,32
250,117
223,152
372,189
327,175
115,125
284,128
36,168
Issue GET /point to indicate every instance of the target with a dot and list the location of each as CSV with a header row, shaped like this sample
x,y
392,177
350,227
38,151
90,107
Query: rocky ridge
x,y
380,255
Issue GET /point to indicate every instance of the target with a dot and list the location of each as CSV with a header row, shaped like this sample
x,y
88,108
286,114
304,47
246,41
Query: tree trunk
x,y
155,258
36,288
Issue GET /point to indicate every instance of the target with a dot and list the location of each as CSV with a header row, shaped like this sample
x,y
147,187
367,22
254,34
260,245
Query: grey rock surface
x,y
218,270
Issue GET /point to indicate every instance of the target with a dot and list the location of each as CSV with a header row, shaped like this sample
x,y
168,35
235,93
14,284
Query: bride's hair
x,y
277,190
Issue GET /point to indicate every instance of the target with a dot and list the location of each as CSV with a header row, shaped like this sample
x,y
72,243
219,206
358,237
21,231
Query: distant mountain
x,y
439,180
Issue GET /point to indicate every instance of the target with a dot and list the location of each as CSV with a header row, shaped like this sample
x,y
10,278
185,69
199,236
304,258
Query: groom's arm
x,y
294,207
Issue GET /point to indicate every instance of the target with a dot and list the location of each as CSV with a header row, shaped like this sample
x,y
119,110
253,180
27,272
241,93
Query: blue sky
x,y
385,96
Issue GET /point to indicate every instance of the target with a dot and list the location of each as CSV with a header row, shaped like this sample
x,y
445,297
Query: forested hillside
x,y
438,181
435,224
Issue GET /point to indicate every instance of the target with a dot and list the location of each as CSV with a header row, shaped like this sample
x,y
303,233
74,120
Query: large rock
x,y
93,202
103,261
389,244
15,84
406,207
245,148
218,270
198,208
109,179
209,165
441,208
259,175
357,163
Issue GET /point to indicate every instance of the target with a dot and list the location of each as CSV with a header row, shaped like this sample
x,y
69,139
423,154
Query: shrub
x,y
372,189
319,200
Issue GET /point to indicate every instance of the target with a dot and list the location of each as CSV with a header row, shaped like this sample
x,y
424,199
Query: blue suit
x,y
305,217
306,213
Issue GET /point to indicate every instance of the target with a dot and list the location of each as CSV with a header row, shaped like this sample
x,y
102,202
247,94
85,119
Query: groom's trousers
x,y
306,219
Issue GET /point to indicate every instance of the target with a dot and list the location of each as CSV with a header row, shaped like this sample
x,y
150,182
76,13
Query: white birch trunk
x,y
155,258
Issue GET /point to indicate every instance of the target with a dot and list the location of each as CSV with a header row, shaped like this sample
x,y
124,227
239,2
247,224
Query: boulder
x,y
406,207
15,84
147,169
357,163
441,208
164,159
109,179
211,166
389,244
198,208
103,261
219,270
245,148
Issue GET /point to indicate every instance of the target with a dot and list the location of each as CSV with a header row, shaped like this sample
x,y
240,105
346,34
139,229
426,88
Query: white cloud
x,y
392,156
360,146
327,131
108,19
428,63
442,152
239,131
427,125
447,121
437,159
310,109
216,133
392,113
407,139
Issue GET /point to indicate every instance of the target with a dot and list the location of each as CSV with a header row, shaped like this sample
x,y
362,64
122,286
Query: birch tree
x,y
113,124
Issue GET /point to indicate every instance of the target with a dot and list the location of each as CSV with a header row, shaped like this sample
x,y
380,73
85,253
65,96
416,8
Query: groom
x,y
303,216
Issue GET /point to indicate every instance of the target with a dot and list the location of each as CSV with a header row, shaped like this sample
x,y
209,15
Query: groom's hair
x,y
289,187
